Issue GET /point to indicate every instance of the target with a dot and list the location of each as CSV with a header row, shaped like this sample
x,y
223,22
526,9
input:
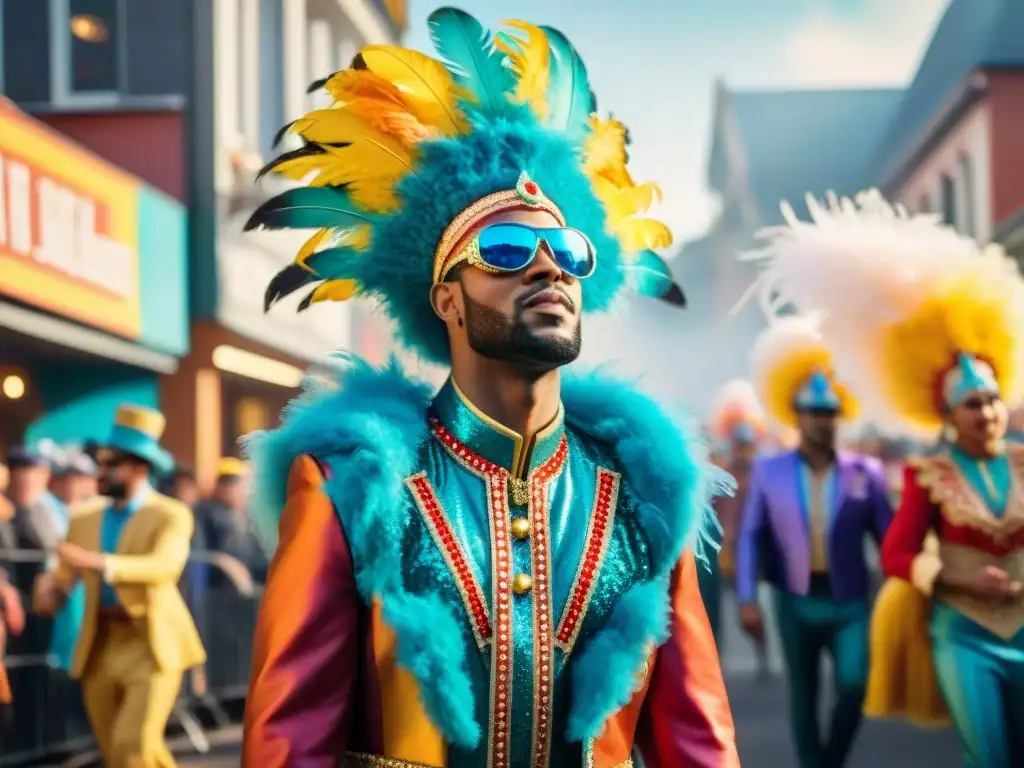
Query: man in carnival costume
x,y
806,516
941,350
737,427
501,574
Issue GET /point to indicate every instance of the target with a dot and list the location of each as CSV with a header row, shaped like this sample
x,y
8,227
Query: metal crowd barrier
x,y
46,722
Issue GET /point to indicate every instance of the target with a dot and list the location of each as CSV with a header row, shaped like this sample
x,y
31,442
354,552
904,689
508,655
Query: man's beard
x,y
493,335
114,489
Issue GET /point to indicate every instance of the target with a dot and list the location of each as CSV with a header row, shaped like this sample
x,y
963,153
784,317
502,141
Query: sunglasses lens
x,y
572,251
507,247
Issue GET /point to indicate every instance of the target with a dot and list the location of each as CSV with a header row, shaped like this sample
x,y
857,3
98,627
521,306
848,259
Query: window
x,y
88,49
949,200
967,179
94,36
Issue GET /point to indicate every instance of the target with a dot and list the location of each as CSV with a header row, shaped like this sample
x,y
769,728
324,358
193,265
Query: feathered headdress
x,y
412,142
736,408
788,356
904,301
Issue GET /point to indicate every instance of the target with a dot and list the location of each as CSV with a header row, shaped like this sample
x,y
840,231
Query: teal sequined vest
x,y
530,545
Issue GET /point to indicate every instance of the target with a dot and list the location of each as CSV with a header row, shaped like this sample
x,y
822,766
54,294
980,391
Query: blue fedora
x,y
137,431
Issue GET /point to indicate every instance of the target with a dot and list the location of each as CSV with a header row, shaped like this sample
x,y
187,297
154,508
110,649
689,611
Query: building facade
x,y
92,286
949,143
188,95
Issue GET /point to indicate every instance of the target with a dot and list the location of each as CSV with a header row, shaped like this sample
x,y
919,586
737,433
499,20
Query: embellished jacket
x,y
940,506
445,594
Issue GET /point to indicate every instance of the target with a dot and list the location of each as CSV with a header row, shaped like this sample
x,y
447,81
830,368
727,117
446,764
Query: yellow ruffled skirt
x,y
902,682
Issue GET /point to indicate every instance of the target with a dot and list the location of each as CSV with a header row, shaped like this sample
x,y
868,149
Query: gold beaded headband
x,y
527,194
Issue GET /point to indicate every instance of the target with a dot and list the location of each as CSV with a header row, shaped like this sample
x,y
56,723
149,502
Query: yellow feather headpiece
x,y
901,296
785,357
412,141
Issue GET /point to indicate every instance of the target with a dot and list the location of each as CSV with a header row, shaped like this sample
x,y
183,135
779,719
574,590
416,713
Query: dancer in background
x,y
931,327
737,429
501,573
803,527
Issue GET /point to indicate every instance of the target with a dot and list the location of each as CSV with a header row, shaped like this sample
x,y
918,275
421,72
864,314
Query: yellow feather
x,y
334,290
329,237
300,167
425,84
605,148
627,201
389,118
642,234
351,84
371,163
531,61
311,246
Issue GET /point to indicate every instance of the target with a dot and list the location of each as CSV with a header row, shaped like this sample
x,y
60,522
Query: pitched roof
x,y
972,34
815,141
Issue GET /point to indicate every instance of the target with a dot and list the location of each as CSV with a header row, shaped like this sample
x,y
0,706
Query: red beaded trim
x,y
543,645
501,648
599,534
446,540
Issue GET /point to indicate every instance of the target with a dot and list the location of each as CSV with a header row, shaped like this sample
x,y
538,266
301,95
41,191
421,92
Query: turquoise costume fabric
x,y
114,521
982,680
373,431
980,673
808,626
572,496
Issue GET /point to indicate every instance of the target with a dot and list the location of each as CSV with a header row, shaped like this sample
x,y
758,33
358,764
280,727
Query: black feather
x,y
279,136
319,85
307,300
358,62
294,154
675,297
308,208
286,282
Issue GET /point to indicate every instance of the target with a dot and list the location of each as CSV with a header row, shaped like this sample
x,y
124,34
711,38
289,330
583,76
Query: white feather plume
x,y
865,265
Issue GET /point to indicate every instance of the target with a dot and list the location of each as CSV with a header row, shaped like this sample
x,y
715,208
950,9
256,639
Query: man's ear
x,y
446,301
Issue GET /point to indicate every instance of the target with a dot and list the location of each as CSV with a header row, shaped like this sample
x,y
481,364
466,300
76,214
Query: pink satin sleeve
x,y
688,719
305,653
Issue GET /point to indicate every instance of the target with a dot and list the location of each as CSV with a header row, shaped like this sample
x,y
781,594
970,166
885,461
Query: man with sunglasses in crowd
x,y
500,574
806,516
137,638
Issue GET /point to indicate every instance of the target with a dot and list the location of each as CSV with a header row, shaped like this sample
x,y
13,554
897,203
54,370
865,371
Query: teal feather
x,y
308,208
335,263
571,102
649,275
467,49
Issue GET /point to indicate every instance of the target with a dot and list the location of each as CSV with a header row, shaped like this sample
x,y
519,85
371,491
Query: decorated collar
x,y
493,441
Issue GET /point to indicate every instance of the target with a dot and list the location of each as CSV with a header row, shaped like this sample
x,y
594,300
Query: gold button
x,y
520,527
521,584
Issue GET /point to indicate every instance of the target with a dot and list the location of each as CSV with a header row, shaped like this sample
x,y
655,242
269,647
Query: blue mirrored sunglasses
x,y
509,247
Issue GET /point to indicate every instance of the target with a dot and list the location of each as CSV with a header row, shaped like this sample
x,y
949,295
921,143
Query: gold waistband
x,y
359,760
1004,618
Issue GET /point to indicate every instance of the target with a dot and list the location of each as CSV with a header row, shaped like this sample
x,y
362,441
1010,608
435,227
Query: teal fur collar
x,y
369,428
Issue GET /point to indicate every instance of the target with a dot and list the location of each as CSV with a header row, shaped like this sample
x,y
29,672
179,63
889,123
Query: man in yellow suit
x,y
129,548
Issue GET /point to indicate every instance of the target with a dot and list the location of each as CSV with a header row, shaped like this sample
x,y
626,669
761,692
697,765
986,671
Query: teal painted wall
x,y
81,398
163,272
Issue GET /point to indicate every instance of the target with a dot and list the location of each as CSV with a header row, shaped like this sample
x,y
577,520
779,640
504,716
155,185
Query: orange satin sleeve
x,y
688,719
305,652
